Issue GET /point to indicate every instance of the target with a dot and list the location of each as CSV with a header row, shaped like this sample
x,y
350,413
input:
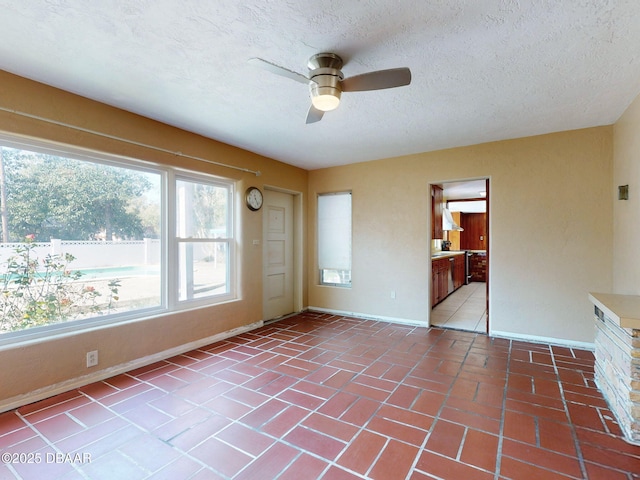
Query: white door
x,y
278,254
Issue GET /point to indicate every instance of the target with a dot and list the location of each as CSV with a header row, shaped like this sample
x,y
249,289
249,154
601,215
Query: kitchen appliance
x,y
448,223
467,267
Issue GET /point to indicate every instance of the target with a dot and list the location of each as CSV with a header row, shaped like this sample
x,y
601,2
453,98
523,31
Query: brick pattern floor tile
x,y
320,396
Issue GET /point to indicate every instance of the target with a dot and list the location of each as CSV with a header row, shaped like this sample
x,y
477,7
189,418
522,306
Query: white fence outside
x,y
91,254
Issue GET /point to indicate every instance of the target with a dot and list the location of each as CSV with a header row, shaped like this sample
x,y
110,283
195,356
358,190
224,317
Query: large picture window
x,y
85,238
334,238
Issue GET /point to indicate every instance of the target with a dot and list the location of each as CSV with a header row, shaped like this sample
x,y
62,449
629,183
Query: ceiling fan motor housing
x,y
325,76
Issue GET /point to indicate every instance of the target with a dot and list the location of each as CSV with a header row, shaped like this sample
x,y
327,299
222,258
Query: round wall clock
x,y
253,197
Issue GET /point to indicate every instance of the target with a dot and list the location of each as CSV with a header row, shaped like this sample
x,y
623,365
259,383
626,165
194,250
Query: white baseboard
x,y
560,342
51,390
366,316
508,335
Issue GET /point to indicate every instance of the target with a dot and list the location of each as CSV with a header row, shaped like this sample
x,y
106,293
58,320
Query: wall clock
x,y
253,197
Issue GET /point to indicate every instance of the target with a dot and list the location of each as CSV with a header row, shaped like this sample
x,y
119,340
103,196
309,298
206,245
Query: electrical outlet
x,y
92,358
393,294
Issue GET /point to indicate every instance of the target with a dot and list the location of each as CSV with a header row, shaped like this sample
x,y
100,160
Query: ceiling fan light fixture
x,y
325,92
326,101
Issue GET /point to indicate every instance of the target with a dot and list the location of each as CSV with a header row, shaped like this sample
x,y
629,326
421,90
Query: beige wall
x,y
550,231
626,213
29,367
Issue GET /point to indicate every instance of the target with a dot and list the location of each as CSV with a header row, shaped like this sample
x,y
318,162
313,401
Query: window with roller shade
x,y
334,239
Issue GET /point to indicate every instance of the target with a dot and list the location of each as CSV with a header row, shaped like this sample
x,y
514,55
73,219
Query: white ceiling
x,y
464,189
482,70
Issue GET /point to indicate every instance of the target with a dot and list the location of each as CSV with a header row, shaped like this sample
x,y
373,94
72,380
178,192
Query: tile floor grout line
x,y
498,467
574,434
461,446
363,427
238,421
140,428
404,352
536,425
185,454
375,461
311,412
26,415
399,384
286,467
13,471
49,443
421,390
436,418
282,440
538,445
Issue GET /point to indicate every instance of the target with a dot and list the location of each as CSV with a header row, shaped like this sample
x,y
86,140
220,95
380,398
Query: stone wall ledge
x,y
622,309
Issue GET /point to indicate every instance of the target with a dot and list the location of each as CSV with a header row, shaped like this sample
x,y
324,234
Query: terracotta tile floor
x,y
320,396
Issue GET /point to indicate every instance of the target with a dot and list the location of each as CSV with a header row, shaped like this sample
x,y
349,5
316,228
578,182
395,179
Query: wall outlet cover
x,y
92,358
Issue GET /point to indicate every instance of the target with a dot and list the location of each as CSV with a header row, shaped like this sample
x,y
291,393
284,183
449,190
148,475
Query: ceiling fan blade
x,y
314,115
278,70
379,80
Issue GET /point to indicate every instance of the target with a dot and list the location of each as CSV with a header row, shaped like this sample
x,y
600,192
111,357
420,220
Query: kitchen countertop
x,y
622,309
451,253
447,254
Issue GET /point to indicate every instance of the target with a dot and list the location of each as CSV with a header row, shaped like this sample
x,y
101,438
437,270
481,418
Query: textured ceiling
x,y
482,70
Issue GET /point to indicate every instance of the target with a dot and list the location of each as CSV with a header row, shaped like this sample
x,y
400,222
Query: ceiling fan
x,y
326,81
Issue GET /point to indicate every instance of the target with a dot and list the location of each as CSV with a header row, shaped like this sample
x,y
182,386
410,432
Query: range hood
x,y
447,221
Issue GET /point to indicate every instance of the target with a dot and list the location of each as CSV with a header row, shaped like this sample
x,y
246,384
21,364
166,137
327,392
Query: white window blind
x,y
334,231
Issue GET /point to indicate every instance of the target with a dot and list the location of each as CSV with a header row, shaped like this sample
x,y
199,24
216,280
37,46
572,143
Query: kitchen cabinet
x,y
458,271
440,279
435,292
436,212
447,275
474,236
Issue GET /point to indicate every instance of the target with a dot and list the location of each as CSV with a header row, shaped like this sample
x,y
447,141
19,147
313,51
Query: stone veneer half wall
x,y
617,366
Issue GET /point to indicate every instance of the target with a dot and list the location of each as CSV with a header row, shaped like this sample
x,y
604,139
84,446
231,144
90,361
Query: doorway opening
x,y
460,255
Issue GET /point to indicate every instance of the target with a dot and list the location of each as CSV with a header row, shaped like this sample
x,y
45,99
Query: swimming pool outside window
x,y
85,238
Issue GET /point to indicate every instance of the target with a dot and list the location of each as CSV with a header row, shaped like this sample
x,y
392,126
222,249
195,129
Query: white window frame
x,y
175,241
169,242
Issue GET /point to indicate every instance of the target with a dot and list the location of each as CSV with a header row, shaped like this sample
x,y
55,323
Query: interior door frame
x,y
488,234
298,249
487,180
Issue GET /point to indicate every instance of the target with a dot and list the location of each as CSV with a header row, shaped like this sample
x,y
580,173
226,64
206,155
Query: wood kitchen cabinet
x,y
474,236
458,271
435,293
436,212
439,277
442,270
